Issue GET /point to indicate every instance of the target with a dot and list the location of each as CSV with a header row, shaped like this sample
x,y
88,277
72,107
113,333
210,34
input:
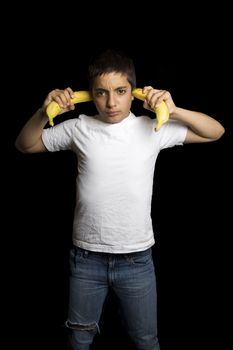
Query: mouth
x,y
112,114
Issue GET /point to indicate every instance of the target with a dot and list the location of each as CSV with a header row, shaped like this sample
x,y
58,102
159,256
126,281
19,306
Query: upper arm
x,y
192,137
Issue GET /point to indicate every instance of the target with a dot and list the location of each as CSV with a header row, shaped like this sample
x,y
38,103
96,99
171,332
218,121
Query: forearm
x,y
200,123
31,133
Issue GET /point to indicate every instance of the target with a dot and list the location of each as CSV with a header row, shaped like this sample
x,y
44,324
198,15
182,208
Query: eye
x,y
100,93
121,91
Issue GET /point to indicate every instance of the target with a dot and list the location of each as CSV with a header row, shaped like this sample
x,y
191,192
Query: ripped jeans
x,y
132,279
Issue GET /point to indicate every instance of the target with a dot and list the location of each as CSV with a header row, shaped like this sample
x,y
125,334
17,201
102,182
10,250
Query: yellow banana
x,y
53,108
162,112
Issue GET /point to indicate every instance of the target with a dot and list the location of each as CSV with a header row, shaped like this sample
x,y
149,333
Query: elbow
x,y
21,148
220,133
217,132
24,147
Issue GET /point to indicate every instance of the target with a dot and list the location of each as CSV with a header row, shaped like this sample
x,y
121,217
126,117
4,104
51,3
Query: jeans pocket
x,y
140,258
77,255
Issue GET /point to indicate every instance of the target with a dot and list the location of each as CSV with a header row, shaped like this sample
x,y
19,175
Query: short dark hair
x,y
109,61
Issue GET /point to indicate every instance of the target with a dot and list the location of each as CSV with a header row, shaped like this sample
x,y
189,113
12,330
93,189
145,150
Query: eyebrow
x,y
105,90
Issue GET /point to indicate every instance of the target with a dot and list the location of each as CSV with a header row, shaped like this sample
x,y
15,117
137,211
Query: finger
x,y
67,96
152,96
146,89
155,97
62,97
70,91
162,97
147,106
71,107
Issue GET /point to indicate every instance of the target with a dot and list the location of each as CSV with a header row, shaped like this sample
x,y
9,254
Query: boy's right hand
x,y
62,97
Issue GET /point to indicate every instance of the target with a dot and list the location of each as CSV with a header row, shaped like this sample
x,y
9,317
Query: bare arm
x,y
29,139
201,127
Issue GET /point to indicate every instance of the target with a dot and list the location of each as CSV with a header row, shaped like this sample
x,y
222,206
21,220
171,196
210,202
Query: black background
x,y
189,55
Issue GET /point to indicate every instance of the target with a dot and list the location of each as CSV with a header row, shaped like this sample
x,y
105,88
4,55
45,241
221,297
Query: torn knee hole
x,y
82,327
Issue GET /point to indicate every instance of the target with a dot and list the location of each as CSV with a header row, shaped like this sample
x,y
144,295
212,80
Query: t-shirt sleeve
x,y
172,133
59,137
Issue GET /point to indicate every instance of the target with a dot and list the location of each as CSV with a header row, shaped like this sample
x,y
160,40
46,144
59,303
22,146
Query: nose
x,y
111,100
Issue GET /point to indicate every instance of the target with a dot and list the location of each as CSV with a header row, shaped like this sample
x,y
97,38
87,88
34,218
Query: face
x,y
112,95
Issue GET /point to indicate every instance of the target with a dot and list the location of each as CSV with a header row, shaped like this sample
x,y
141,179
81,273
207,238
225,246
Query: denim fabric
x,y
132,279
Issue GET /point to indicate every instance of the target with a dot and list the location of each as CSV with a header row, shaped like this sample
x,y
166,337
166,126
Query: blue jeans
x,y
132,279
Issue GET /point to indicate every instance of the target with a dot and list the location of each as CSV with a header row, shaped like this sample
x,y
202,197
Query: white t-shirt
x,y
115,178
